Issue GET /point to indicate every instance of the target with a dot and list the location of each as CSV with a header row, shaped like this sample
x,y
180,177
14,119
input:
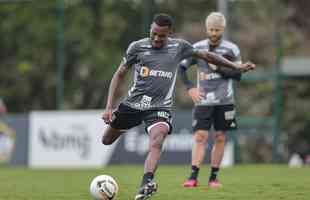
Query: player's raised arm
x,y
117,78
221,61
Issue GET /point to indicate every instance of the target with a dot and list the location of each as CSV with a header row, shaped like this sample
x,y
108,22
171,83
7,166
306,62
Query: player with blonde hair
x,y
213,97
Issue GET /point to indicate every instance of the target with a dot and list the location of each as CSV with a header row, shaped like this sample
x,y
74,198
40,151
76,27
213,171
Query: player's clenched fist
x,y
195,94
107,115
247,66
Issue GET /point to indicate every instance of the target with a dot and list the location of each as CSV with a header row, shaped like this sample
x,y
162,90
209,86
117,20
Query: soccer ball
x,y
103,187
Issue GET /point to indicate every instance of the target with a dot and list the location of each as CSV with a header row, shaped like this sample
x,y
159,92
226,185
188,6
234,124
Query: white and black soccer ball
x,y
103,187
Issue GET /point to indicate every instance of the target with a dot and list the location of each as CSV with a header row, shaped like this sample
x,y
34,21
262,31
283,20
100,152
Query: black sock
x,y
147,177
194,174
214,172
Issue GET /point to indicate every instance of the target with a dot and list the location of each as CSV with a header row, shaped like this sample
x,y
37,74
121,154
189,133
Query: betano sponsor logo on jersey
x,y
145,72
210,76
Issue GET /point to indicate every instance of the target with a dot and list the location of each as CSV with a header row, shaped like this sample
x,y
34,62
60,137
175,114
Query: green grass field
x,y
242,182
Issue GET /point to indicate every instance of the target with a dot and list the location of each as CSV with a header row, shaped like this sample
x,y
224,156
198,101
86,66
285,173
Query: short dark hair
x,y
162,19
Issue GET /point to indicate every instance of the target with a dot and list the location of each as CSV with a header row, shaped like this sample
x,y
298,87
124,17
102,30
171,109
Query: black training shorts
x,y
125,117
222,117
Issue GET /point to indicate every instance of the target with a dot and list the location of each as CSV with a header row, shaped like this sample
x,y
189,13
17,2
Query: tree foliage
x,y
97,33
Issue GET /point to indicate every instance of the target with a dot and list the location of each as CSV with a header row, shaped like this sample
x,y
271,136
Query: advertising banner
x,y
67,139
13,139
73,139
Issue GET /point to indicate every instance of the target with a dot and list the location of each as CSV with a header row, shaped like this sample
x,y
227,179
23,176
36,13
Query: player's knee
x,y
201,138
155,145
157,136
220,138
110,135
157,141
106,141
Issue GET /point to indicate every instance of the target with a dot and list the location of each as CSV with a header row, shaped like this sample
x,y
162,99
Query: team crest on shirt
x,y
146,101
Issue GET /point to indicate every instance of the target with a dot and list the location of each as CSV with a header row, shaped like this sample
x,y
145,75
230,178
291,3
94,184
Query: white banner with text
x,y
67,139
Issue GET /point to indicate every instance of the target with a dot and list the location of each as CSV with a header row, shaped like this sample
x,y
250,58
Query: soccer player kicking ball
x,y
213,98
155,60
